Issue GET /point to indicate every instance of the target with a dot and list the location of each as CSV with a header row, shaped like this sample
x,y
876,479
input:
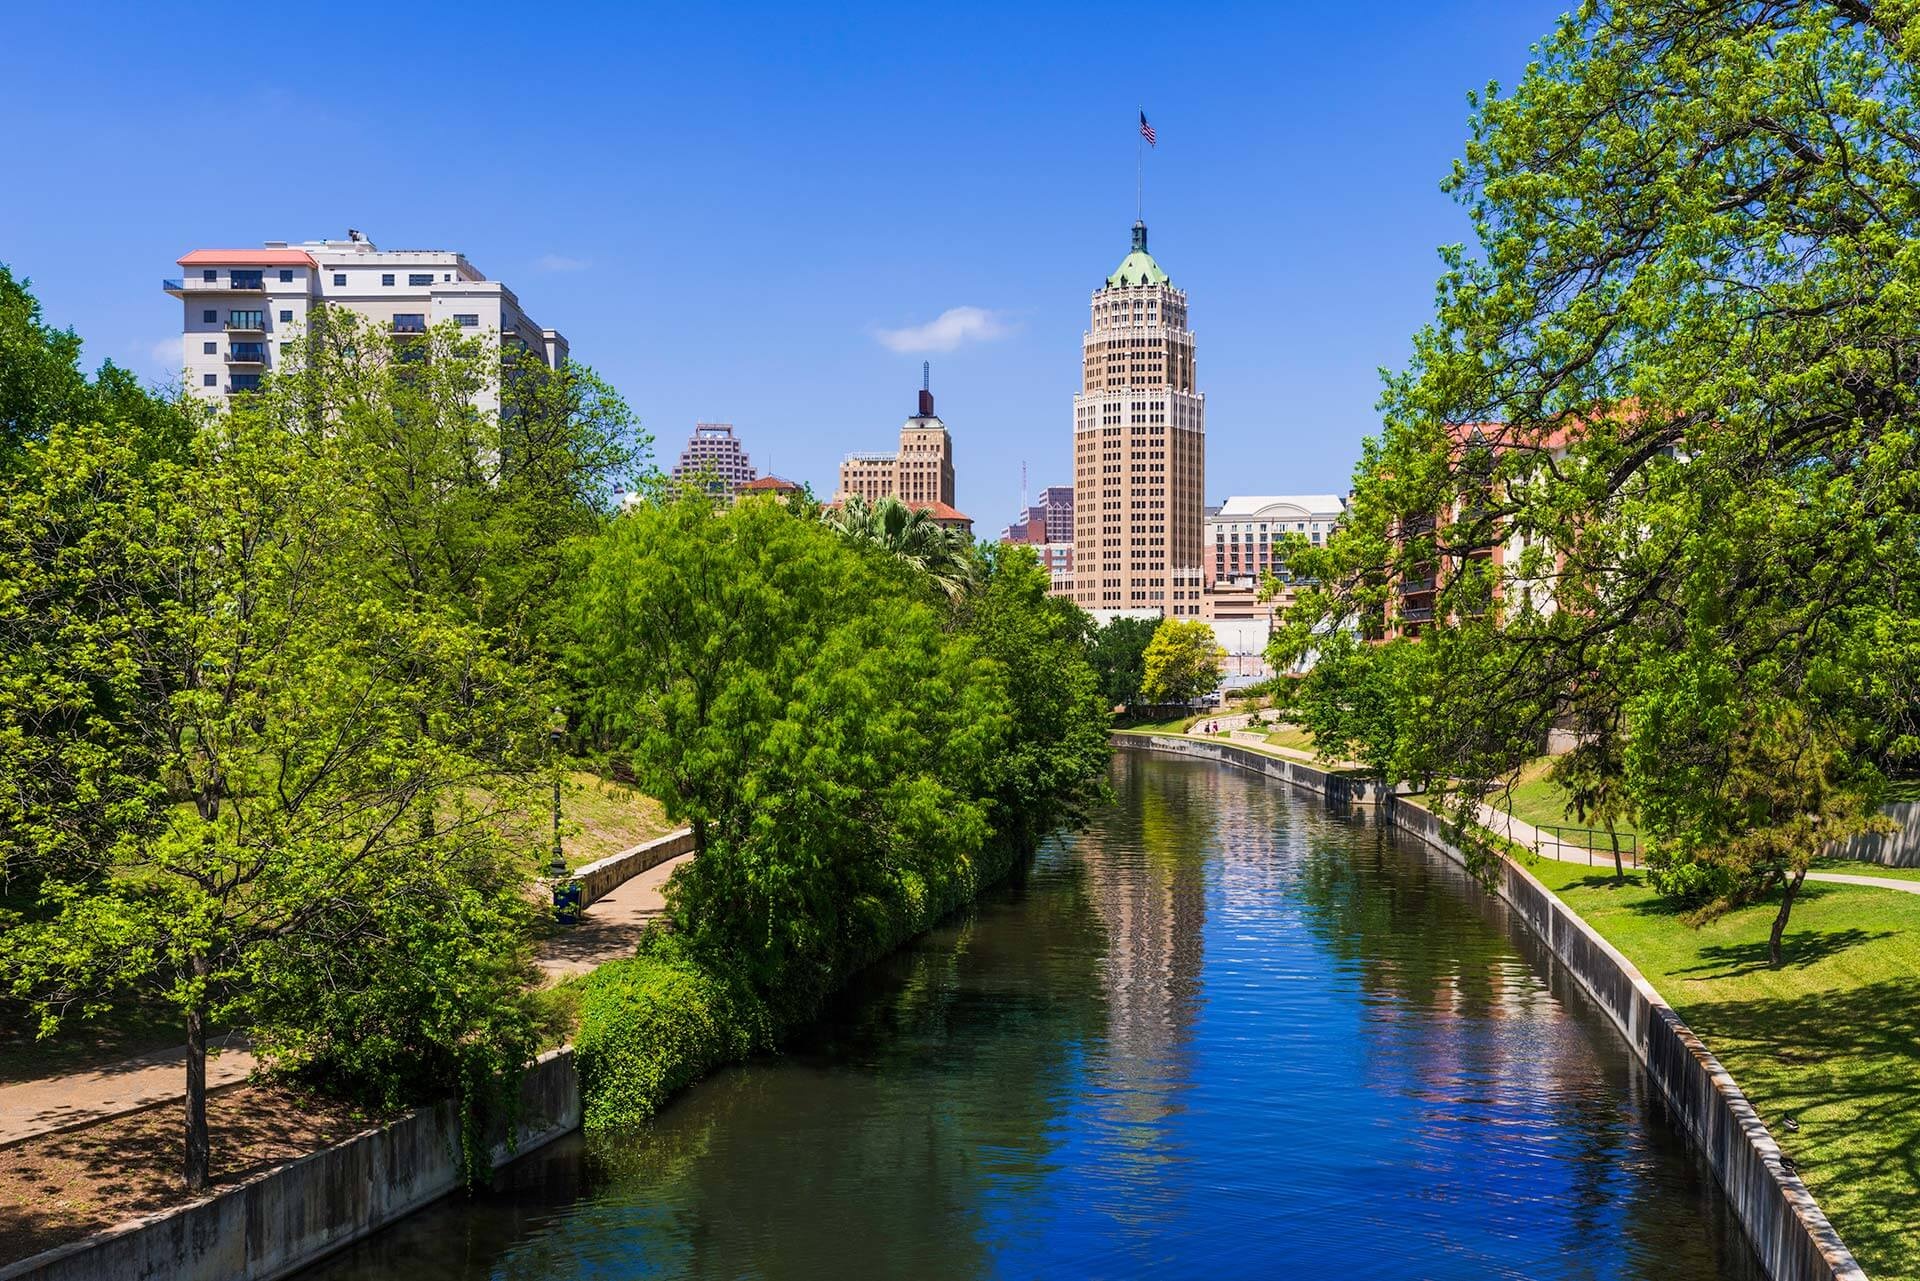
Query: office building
x,y
1139,433
713,453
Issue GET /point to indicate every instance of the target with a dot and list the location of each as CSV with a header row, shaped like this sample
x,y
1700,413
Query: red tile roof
x,y
775,484
248,258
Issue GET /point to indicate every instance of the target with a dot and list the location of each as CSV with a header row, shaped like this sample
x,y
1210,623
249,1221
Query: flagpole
x,y
1139,160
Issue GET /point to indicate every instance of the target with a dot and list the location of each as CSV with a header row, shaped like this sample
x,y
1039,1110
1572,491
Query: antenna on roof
x,y
353,234
1023,489
926,375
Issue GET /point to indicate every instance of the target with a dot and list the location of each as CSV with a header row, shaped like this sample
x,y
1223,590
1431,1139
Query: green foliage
x,y
41,386
1119,657
1181,662
271,707
856,755
651,1025
911,533
1672,388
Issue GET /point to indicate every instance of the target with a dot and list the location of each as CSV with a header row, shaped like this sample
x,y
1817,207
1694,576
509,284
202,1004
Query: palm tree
x,y
945,555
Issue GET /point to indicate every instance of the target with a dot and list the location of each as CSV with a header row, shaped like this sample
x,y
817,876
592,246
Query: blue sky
x,y
729,210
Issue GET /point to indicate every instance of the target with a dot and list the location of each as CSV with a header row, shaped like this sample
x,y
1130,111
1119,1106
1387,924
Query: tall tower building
x,y
714,451
1139,449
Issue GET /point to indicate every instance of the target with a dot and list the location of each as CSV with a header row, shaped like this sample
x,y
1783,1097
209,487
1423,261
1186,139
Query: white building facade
x,y
242,307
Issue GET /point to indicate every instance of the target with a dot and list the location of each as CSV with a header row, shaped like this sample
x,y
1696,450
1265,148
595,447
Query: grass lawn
x,y
1292,736
1538,800
599,817
1178,725
1831,1039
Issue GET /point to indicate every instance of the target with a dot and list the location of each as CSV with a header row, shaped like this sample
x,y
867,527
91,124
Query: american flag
x,y
1146,131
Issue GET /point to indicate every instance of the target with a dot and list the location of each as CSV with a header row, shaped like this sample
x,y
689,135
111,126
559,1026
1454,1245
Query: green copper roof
x,y
1138,267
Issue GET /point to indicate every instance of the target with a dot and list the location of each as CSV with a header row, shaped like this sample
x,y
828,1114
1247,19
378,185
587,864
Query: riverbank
x,y
1784,1222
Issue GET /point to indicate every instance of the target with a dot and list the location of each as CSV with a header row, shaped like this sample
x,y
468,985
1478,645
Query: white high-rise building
x,y
242,306
1139,450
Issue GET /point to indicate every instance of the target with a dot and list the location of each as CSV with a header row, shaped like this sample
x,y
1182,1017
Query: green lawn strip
x,y
1293,736
1831,1039
599,817
1178,725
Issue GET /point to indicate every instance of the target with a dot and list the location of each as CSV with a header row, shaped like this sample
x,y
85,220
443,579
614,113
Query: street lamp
x,y
556,730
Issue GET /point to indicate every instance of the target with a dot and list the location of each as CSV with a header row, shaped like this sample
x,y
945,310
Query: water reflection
x,y
1222,1032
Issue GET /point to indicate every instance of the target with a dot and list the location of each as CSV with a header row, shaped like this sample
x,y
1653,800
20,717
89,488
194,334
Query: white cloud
x,y
560,262
948,330
165,354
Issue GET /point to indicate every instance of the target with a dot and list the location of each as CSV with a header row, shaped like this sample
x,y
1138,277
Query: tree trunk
x,y
1619,873
197,1145
1780,921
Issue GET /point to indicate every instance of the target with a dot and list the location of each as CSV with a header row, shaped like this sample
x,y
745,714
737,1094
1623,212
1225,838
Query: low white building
x,y
240,307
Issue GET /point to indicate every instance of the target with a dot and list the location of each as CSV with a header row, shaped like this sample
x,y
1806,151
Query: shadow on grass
x,y
1842,1063
1798,949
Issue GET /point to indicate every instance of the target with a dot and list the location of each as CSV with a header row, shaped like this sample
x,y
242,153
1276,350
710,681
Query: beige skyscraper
x,y
1139,449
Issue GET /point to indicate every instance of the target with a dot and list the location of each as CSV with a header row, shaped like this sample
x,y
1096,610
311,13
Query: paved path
x,y
609,930
611,927
1876,882
55,1103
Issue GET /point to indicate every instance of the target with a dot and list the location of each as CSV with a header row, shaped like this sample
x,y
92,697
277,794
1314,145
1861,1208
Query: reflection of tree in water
x,y
887,1140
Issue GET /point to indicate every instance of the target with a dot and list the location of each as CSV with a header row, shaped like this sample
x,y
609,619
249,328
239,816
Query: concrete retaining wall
x,y
597,880
1888,849
1339,789
1787,1228
285,1219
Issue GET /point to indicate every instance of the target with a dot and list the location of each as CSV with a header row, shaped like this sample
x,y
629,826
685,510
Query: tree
x,y
797,697
1119,656
1054,762
1181,662
294,803
1655,449
944,555
41,384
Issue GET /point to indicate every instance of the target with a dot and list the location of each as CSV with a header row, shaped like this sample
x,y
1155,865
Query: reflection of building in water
x,y
1147,882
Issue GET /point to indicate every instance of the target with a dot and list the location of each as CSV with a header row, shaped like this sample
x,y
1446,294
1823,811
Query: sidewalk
x,y
608,930
28,1108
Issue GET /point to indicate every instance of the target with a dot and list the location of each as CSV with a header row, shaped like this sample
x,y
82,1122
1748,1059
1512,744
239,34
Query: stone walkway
x,y
611,927
609,930
28,1108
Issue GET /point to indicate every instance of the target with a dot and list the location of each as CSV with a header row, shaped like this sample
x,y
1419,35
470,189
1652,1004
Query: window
x,y
420,278
286,277
386,278
339,278
245,382
286,317
209,317
209,380
209,348
410,323
248,279
467,320
209,274
246,320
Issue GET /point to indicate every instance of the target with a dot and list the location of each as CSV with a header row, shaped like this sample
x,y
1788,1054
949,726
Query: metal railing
x,y
222,285
1557,841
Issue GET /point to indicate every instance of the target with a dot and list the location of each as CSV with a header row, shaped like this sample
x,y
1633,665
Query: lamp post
x,y
556,730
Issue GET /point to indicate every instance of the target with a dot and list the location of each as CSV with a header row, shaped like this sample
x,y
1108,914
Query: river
x,y
1220,1033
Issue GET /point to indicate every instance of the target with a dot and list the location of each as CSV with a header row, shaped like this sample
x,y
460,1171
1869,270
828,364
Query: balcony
x,y
224,285
247,353
1422,614
1415,586
247,323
